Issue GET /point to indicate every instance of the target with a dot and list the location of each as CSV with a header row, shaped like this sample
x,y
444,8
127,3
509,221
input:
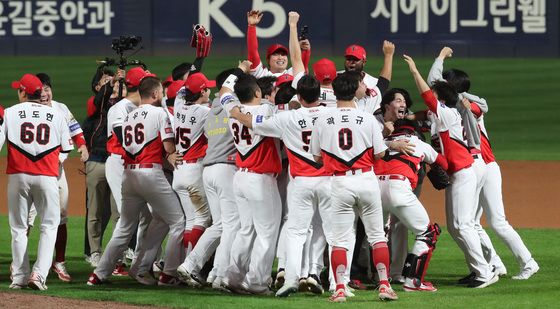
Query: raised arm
x,y
436,72
295,50
421,84
253,19
388,52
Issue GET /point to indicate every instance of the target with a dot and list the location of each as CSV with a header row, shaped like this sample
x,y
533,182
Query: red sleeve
x,y
441,161
253,46
475,109
430,100
79,140
305,56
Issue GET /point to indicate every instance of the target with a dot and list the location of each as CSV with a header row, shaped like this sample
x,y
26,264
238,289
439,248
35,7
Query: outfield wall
x,y
478,28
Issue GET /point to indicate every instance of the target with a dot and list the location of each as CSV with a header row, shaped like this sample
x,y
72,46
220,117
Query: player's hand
x,y
388,128
445,52
293,18
84,154
403,146
245,65
235,112
304,44
118,76
254,17
388,48
411,64
466,103
175,159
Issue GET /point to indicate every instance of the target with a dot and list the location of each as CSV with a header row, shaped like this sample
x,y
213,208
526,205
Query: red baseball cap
x,y
174,87
28,83
274,48
284,78
167,81
324,69
356,51
197,82
135,75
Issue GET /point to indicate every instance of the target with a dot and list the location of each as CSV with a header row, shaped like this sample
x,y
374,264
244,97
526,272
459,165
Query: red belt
x,y
142,165
247,170
392,177
193,160
354,172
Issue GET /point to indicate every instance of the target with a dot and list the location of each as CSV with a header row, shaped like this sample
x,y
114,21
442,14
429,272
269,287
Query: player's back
x,y
36,135
115,118
327,97
189,121
348,139
143,129
255,152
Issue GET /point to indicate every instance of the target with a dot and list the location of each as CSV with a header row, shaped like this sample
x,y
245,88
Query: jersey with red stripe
x,y
371,102
294,128
144,130
76,132
254,151
346,138
115,118
447,130
485,146
36,134
189,128
397,163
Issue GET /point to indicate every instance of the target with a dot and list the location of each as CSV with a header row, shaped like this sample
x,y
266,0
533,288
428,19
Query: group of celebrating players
x,y
281,164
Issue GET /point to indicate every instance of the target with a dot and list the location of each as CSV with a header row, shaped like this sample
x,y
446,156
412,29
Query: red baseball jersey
x,y
254,151
115,118
189,123
36,134
294,127
447,133
144,130
346,138
397,163
485,146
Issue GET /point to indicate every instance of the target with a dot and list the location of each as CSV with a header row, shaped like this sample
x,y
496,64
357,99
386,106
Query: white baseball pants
x,y
187,182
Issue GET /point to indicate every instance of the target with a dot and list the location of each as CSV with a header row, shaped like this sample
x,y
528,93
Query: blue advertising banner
x,y
477,27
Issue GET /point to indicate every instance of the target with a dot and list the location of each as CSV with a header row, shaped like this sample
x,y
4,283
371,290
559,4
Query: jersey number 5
x,y
345,139
30,133
182,137
138,134
306,139
245,135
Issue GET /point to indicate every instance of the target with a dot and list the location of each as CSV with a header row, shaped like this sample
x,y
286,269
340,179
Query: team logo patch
x,y
74,127
226,99
168,130
259,118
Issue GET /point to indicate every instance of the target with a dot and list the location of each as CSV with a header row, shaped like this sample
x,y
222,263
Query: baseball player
x,y
36,135
309,191
255,189
346,140
276,54
114,166
325,72
146,134
397,179
459,204
190,117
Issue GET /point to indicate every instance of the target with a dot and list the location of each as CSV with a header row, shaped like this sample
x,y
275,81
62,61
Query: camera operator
x,y
104,86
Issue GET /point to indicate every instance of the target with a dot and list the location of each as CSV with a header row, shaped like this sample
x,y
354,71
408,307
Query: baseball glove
x,y
438,177
201,40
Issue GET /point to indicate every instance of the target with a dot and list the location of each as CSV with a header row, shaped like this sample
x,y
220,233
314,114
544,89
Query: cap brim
x,y
211,84
16,84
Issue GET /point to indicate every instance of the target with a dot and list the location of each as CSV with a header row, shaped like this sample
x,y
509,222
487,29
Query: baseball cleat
x,y
60,269
145,278
387,293
287,289
157,267
191,279
279,282
17,286
414,285
479,284
36,282
357,284
302,285
467,279
94,259
314,284
168,280
397,279
339,296
500,270
528,270
94,280
120,270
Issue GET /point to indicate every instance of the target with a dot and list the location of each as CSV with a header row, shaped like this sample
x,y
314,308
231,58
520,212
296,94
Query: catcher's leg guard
x,y
416,265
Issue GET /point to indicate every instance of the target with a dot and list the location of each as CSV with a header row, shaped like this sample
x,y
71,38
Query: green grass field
x,y
448,265
522,121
